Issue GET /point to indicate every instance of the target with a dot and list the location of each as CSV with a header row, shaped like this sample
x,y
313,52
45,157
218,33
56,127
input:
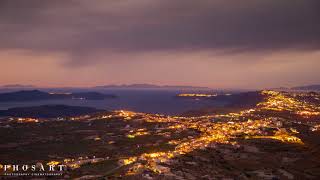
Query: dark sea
x,y
148,101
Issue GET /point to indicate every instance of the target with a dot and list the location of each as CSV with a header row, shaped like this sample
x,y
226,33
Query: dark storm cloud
x,y
81,28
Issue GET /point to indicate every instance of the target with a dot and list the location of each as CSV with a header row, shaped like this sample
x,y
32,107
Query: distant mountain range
x,y
35,95
17,86
11,87
147,86
49,111
315,87
123,86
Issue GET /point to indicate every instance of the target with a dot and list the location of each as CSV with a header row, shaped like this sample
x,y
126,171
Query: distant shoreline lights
x,y
197,95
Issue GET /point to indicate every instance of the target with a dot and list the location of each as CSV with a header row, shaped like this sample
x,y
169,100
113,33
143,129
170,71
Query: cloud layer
x,y
85,27
197,42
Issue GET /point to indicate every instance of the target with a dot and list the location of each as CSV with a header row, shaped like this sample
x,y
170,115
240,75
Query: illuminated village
x,y
125,144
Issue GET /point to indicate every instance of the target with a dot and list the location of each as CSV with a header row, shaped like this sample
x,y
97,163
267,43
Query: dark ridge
x,y
233,103
315,87
241,100
35,95
49,111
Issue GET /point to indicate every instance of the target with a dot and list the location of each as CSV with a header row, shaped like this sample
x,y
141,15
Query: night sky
x,y
214,43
